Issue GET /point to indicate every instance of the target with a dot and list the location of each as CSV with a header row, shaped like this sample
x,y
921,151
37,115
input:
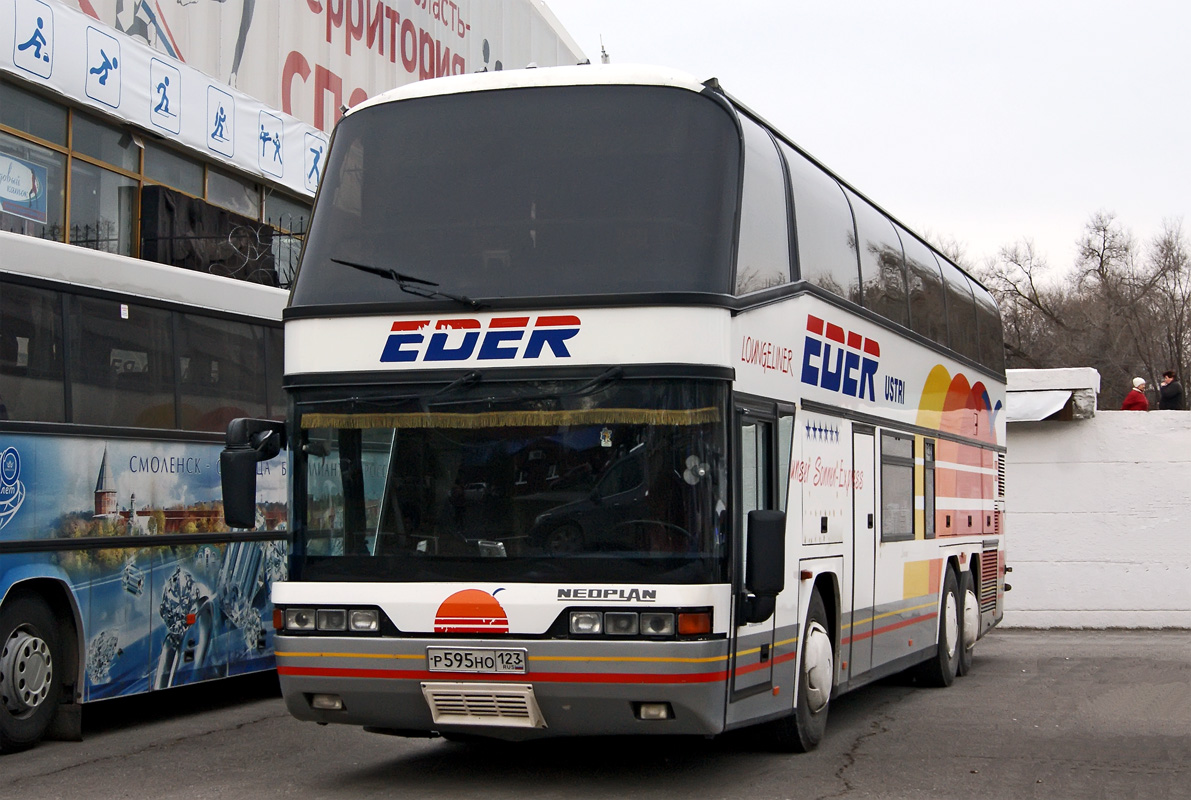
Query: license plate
x,y
475,659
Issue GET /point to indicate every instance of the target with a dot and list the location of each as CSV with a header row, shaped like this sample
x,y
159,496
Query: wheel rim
x,y
951,631
26,672
971,619
818,667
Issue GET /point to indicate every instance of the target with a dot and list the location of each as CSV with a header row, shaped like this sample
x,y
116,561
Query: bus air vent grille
x,y
504,705
988,580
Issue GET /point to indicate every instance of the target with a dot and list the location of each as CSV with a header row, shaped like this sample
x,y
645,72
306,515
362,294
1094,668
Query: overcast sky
x,y
983,122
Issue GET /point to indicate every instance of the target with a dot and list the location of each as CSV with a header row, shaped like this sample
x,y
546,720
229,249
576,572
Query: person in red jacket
x,y
1136,399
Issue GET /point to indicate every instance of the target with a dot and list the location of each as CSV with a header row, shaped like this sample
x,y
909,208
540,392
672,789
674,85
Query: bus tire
x,y
969,621
801,731
30,672
940,671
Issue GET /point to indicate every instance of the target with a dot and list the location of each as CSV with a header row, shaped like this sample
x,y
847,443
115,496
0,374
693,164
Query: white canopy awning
x,y
1035,406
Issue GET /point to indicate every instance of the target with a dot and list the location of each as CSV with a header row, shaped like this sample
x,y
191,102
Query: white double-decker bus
x,y
612,411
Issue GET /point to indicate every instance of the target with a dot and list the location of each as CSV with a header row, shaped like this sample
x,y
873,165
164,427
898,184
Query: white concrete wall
x,y
1098,521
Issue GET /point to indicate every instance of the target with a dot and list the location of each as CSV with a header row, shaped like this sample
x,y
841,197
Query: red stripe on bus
x,y
410,325
456,324
814,324
521,677
835,333
887,628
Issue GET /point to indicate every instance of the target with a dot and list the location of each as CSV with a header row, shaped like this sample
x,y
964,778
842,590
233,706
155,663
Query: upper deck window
x,y
826,233
544,192
763,260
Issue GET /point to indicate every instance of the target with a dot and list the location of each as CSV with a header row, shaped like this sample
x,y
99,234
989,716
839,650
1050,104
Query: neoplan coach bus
x,y
612,411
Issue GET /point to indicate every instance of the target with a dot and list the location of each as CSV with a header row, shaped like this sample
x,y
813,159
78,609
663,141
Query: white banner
x,y
309,58
48,43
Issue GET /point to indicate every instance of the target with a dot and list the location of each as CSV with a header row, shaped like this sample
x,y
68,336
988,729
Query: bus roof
x,y
582,75
80,266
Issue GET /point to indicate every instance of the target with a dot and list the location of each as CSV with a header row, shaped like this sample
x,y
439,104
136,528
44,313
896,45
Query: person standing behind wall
x,y
1136,399
1170,392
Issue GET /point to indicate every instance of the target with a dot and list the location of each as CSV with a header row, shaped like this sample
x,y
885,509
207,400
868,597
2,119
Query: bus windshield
x,y
613,480
543,192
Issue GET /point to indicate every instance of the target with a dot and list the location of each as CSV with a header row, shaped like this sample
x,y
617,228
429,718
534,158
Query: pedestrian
x,y
1136,399
1170,393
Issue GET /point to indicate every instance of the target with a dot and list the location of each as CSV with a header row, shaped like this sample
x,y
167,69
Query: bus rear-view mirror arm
x,y
765,565
248,442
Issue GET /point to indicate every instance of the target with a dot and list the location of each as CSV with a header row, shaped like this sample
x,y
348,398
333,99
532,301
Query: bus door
x,y
752,649
859,651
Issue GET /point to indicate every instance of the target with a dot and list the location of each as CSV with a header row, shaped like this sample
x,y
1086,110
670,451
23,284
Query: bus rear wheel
x,y
941,670
802,731
969,621
30,680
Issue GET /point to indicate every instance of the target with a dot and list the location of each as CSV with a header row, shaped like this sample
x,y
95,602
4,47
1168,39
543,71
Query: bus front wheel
x,y
30,680
801,731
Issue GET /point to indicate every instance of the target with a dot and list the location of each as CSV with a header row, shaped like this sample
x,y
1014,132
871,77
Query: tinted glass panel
x,y
231,192
528,192
121,364
897,487
961,311
102,208
991,337
275,371
881,266
221,364
928,315
32,114
763,260
31,168
173,169
826,236
286,213
543,481
31,386
106,143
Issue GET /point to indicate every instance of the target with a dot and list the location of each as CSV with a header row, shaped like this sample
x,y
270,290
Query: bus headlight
x,y
332,619
364,619
657,624
620,623
299,619
587,622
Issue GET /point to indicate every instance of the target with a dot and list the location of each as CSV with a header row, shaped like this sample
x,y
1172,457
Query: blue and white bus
x,y
117,573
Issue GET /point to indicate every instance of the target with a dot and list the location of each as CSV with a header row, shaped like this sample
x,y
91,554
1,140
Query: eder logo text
x,y
839,360
504,338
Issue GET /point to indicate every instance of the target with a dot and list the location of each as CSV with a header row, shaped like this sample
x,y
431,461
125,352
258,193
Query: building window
x,y
173,169
102,208
105,143
36,195
37,116
104,186
234,194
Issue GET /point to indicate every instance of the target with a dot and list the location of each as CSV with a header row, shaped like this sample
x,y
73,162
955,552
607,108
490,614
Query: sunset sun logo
x,y
471,611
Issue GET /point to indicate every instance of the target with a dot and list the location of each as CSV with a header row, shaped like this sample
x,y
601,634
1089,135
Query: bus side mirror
x,y
765,564
248,442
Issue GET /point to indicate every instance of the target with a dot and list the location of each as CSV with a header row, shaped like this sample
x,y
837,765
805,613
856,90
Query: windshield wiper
x,y
409,283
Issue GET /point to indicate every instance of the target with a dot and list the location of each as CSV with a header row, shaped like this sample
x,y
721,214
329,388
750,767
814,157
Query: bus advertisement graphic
x,y
157,614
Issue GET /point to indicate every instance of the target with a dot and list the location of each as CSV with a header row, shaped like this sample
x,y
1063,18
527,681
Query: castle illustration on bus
x,y
613,411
